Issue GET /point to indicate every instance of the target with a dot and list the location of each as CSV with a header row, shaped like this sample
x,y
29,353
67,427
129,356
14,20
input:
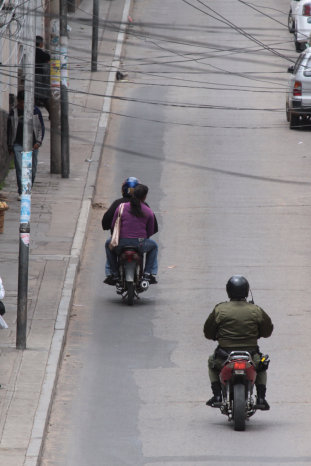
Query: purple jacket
x,y
135,227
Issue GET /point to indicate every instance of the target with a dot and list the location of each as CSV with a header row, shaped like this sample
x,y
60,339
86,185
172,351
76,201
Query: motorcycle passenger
x,y
236,325
137,225
127,189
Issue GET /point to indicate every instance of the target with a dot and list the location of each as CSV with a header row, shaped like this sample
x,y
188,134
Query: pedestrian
x,y
15,132
42,78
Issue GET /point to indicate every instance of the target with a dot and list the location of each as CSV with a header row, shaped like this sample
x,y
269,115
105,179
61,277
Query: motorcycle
x,y
131,282
237,378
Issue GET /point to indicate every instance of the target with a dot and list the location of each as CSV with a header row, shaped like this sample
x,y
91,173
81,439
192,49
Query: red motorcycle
x,y
131,281
237,378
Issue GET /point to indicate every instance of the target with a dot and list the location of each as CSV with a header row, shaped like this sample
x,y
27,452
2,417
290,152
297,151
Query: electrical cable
x,y
187,105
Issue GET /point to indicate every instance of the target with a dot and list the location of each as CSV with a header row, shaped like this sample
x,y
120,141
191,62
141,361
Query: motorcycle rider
x,y
236,325
127,190
137,225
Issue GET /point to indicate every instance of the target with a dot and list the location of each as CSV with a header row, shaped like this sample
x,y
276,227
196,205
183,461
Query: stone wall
x,y
5,158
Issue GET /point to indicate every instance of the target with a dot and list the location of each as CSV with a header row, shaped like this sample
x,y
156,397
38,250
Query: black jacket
x,y
108,216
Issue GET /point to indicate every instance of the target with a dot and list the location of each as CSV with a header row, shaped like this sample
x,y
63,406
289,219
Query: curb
x,y
34,450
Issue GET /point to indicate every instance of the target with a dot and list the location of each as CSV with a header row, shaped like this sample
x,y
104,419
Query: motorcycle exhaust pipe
x,y
144,284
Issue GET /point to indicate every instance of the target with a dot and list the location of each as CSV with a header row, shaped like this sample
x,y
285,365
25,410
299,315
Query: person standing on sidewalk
x,y
15,131
42,78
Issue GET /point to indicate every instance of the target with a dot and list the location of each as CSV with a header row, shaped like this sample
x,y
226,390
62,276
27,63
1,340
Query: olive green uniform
x,y
237,325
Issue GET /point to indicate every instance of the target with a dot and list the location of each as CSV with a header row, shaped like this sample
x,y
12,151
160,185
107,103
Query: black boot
x,y
261,398
215,401
111,280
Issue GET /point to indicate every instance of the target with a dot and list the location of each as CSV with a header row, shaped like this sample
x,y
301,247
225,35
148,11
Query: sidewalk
x,y
60,209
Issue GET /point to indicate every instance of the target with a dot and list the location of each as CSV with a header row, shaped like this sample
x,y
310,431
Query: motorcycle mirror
x,y
252,300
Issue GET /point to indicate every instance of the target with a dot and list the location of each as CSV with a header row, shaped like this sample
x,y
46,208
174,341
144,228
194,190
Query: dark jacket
x,y
108,216
41,57
38,126
42,76
237,324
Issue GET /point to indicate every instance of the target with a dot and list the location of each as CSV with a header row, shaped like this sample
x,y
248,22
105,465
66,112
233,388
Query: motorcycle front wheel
x,y
239,407
130,293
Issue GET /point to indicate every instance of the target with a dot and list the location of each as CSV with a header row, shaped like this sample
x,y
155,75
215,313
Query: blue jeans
x,y
18,149
147,246
107,265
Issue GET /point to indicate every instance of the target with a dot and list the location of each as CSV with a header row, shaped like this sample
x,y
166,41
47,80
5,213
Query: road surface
x,y
201,120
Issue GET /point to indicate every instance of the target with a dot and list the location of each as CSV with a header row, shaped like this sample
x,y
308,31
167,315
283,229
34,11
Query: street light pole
x,y
24,228
55,142
95,35
65,157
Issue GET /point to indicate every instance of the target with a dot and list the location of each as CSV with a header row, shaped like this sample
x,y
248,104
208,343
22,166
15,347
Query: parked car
x,y
299,22
298,97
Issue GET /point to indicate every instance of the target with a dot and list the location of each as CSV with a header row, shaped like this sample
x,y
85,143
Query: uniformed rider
x,y
236,325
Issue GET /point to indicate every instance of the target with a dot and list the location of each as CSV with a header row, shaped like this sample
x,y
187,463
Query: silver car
x,y
298,97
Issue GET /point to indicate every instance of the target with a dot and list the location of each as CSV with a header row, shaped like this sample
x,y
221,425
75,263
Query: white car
x,y
298,95
299,22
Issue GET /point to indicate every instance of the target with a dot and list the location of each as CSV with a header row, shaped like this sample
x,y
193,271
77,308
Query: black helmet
x,y
128,186
237,287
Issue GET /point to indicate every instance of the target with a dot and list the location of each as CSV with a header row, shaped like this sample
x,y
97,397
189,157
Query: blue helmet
x,y
128,185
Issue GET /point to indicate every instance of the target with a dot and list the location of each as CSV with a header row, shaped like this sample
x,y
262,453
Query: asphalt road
x,y
203,125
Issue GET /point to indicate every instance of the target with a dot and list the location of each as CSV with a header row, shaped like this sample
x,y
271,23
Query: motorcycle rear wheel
x,y
130,293
239,407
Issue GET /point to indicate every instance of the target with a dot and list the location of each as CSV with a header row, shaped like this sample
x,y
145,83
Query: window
x,y
298,62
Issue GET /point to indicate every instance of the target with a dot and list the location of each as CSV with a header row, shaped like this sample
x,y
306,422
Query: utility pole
x,y
65,156
95,35
55,143
24,228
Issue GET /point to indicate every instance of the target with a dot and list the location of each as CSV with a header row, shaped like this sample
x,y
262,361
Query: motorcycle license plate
x,y
239,372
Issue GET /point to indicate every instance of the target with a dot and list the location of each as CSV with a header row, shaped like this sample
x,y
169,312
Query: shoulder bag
x,y
116,229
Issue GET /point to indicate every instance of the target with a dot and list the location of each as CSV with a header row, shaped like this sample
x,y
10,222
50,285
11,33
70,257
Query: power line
x,y
233,26
190,105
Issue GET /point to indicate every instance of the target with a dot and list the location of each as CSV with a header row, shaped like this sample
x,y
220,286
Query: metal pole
x,y
95,35
24,229
55,143
65,157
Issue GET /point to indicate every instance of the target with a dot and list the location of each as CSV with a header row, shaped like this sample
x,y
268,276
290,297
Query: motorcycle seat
x,y
129,248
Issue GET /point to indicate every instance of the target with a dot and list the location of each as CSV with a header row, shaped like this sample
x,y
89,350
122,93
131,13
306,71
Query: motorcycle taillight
x,y
239,365
129,256
306,10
